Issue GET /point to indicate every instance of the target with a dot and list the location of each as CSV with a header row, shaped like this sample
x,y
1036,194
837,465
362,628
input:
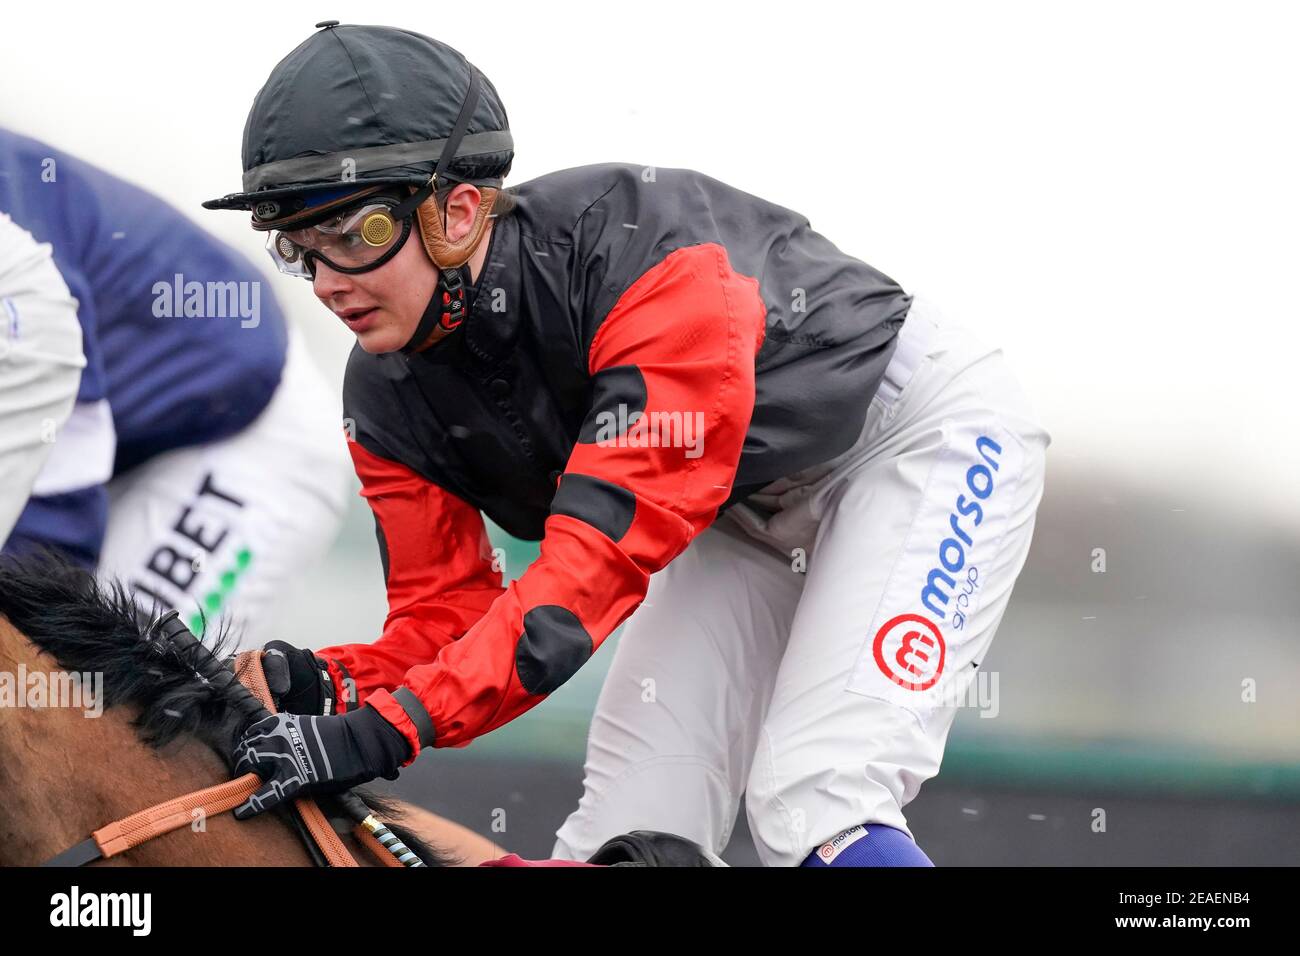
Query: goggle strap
x,y
409,204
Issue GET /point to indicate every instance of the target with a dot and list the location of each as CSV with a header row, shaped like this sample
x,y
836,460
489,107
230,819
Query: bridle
x,y
245,688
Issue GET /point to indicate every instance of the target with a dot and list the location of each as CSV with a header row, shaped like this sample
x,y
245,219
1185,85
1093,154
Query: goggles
x,y
353,241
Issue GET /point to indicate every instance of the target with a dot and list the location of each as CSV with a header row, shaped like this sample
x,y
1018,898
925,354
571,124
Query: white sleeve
x,y
41,359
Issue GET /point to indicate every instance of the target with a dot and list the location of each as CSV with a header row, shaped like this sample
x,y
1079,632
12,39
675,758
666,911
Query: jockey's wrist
x,y
383,747
404,710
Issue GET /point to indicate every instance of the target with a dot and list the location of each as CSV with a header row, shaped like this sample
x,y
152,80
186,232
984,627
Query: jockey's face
x,y
382,307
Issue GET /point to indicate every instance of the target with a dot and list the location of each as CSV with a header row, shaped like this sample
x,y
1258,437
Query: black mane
x,y
90,626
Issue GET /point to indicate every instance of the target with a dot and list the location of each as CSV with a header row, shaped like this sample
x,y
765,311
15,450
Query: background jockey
x,y
201,462
655,374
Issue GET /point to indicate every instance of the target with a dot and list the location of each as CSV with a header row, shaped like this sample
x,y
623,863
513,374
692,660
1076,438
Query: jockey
x,y
201,462
807,493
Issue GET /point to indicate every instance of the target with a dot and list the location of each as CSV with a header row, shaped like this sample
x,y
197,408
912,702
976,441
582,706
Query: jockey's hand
x,y
299,680
296,754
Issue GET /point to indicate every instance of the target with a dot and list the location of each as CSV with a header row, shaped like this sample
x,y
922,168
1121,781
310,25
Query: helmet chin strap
x,y
447,308
444,313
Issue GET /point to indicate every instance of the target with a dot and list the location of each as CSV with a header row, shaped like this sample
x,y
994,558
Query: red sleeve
x,y
438,568
680,342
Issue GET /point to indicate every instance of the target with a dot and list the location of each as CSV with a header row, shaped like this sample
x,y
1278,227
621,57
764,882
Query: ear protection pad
x,y
444,253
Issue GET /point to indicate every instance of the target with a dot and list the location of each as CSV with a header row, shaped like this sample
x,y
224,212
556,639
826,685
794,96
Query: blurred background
x,y
1108,191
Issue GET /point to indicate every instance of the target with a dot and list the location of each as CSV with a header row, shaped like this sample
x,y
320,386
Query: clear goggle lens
x,y
353,241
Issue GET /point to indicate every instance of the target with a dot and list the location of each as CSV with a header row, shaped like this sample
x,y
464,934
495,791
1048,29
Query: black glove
x,y
299,680
293,753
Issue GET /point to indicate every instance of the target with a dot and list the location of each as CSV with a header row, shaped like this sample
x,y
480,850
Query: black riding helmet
x,y
367,106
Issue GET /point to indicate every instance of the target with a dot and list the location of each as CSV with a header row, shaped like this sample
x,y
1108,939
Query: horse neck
x,y
65,773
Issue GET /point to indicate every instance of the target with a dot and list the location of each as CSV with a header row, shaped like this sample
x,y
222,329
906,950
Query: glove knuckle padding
x,y
296,678
276,670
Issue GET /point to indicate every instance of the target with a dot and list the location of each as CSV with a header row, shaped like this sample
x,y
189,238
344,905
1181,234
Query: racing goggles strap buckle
x,y
451,293
445,312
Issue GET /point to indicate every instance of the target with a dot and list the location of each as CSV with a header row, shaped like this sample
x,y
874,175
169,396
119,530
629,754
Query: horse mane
x,y
93,626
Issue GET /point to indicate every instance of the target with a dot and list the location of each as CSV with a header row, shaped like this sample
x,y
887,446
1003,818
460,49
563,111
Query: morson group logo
x,y
909,649
953,550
